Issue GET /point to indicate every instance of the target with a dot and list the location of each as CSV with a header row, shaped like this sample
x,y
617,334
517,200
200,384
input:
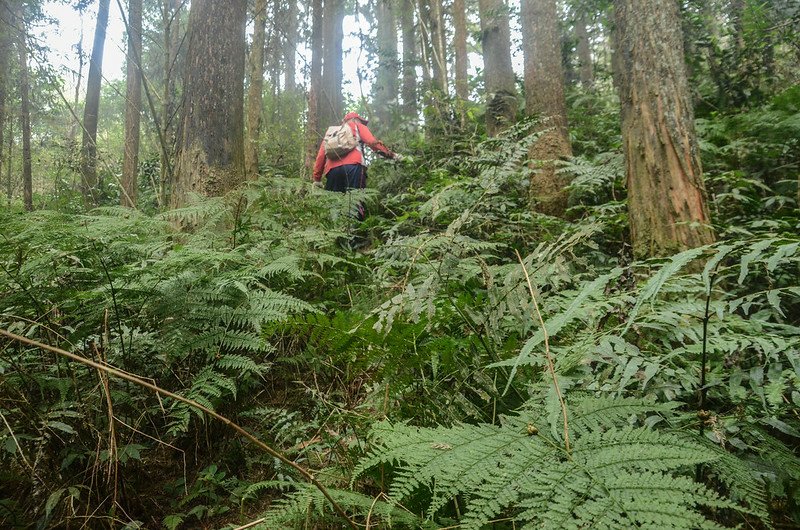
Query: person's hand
x,y
317,184
398,157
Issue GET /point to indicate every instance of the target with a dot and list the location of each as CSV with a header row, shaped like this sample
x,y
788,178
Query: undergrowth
x,y
412,375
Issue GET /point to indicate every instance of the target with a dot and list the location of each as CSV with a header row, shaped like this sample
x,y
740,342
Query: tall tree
x,y
171,21
438,45
332,102
409,61
92,108
25,110
255,90
133,105
666,194
460,52
211,149
544,97
5,54
290,47
315,84
584,50
385,87
501,108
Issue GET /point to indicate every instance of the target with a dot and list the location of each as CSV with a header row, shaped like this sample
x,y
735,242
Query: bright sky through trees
x,y
62,37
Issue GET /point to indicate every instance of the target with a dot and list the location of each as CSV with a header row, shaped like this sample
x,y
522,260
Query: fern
x,y
616,476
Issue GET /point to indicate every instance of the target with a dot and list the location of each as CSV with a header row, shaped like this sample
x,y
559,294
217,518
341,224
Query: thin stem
x,y
550,365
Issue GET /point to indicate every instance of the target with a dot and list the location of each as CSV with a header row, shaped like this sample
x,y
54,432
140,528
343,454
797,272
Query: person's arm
x,y
373,143
319,163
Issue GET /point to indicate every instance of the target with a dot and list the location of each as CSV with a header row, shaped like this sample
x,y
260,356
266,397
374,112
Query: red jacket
x,y
323,164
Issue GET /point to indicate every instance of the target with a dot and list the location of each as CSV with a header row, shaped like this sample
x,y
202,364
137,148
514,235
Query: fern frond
x,y
615,477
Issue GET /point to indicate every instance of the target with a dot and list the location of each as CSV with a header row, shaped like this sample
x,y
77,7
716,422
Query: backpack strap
x,y
359,144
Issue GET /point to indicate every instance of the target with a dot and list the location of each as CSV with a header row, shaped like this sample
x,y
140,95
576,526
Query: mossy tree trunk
x,y
255,90
544,97
501,91
133,105
91,109
666,194
211,150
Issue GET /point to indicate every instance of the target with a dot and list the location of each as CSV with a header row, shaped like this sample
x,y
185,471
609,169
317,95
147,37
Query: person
x,y
350,171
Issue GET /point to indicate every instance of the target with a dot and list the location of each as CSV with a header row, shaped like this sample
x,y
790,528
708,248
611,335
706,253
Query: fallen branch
x,y
137,380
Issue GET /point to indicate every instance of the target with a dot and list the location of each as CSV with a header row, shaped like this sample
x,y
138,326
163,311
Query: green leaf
x,y
52,500
61,426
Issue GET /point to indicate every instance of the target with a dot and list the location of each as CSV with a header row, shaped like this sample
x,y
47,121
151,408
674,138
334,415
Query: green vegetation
x,y
415,367
458,359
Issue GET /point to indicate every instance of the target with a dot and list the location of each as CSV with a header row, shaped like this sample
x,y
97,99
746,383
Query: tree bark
x,y
130,163
544,97
409,62
290,48
211,156
426,51
255,90
332,101
313,126
385,87
25,110
666,194
439,46
5,54
460,52
92,109
172,41
501,91
584,49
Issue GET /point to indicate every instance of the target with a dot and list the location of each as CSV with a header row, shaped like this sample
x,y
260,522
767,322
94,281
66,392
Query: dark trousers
x,y
348,177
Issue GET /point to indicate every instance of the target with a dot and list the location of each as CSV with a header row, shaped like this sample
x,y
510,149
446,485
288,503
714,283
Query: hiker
x,y
340,157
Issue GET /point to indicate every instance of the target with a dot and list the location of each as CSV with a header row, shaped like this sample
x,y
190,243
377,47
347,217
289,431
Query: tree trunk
x,y
274,51
439,47
25,110
5,54
501,92
423,19
76,98
544,97
255,90
332,101
290,48
133,105
92,109
313,126
211,156
460,49
585,66
172,42
666,194
385,88
409,62
9,158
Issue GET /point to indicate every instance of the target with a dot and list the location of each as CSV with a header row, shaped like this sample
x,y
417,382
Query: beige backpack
x,y
340,140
